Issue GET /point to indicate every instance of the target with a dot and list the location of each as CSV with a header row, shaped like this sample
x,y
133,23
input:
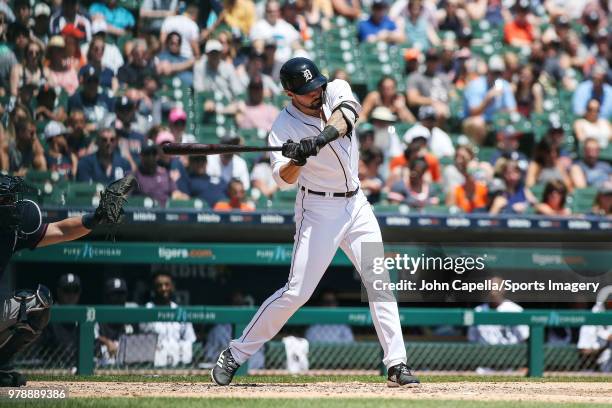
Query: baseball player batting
x,y
320,152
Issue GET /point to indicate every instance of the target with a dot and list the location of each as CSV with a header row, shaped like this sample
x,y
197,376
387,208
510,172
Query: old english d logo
x,y
307,75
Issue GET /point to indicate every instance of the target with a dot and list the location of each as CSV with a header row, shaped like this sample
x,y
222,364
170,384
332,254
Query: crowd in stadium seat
x,y
468,106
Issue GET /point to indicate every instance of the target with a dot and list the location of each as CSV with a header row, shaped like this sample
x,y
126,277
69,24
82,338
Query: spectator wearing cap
x,y
485,96
184,24
131,129
139,66
513,197
95,56
63,336
236,198
25,152
177,122
40,28
417,27
118,19
29,71
68,14
412,57
593,125
153,12
591,23
95,104
211,74
379,27
385,137
150,103
73,36
590,171
594,88
108,335
198,184
106,165
386,95
153,180
520,32
229,166
272,26
254,113
170,62
48,106
429,87
60,74
601,8
553,200
438,141
58,156
507,148
547,165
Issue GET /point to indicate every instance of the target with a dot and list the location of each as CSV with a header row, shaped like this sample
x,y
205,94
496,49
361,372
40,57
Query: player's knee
x,y
298,297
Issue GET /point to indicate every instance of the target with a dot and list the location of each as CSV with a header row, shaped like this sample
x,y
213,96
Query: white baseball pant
x,y
322,225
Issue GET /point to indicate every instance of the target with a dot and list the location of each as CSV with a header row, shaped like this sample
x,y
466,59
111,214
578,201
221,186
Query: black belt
x,y
323,194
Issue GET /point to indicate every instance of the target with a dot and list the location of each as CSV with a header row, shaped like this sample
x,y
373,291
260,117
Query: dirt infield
x,y
584,392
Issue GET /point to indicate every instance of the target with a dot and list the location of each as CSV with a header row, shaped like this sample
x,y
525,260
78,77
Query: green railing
x,y
537,320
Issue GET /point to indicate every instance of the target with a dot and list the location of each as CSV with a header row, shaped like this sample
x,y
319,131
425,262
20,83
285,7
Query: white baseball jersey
x,y
322,225
334,168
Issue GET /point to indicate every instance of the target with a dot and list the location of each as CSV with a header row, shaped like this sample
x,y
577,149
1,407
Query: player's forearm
x,y
337,120
65,230
290,172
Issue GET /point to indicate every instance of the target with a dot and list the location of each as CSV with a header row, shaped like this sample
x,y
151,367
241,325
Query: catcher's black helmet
x,y
301,75
10,188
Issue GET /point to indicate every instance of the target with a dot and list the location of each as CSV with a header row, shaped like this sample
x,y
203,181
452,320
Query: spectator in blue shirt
x,y
106,165
379,27
200,185
170,62
590,171
131,128
484,97
594,88
95,105
508,148
95,54
118,19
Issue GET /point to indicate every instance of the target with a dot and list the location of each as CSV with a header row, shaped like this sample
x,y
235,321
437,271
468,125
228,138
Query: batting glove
x,y
294,151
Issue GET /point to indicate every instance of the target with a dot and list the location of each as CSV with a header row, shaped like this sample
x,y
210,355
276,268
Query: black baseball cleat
x,y
223,372
12,379
400,376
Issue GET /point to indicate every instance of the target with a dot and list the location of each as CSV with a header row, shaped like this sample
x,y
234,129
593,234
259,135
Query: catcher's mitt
x,y
112,200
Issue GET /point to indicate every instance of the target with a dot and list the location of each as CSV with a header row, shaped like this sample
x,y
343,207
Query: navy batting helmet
x,y
301,75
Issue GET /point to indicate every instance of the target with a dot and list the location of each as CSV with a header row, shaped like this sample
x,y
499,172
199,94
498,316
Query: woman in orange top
x,y
471,195
236,195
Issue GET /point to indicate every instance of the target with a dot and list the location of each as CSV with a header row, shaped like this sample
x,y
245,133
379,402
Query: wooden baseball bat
x,y
200,149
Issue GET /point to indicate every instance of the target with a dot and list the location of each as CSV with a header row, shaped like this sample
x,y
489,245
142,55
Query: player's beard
x,y
318,103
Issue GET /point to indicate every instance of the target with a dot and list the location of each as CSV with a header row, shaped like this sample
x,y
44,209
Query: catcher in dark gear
x,y
25,314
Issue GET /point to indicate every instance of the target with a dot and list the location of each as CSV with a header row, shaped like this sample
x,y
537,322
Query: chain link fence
x,y
128,348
